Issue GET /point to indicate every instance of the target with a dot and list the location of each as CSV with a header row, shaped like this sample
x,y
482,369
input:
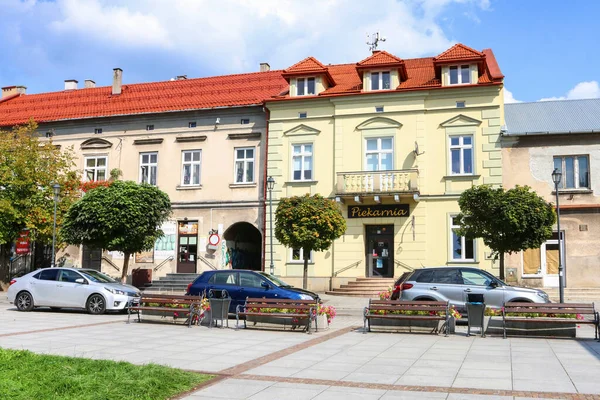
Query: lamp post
x,y
270,185
56,188
556,175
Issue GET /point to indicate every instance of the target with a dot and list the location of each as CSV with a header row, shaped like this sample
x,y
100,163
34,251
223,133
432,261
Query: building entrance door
x,y
91,258
543,262
380,251
187,248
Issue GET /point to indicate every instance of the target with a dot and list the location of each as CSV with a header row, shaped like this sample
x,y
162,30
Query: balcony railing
x,y
395,181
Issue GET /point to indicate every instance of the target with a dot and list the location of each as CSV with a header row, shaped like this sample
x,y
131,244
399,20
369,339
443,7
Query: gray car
x,y
454,284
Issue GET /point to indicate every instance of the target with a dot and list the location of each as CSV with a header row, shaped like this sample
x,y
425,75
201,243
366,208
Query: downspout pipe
x,y
265,174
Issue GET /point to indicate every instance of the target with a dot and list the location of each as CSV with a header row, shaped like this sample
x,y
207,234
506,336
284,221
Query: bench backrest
x,y
401,305
280,303
167,298
550,308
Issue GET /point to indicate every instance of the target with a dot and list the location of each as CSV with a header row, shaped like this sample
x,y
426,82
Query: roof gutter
x,y
551,132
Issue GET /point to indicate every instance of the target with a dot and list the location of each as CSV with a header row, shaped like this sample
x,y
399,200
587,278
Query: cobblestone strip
x,y
59,329
430,389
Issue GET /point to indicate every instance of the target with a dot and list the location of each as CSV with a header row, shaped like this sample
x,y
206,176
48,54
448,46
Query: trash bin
x,y
141,277
219,302
475,313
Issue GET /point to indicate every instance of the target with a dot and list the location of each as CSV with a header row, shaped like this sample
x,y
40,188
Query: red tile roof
x,y
233,90
458,52
142,98
379,58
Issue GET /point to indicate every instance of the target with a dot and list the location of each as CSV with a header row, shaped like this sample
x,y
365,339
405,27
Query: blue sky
x,y
546,49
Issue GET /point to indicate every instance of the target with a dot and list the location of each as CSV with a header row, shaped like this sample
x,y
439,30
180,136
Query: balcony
x,y
377,182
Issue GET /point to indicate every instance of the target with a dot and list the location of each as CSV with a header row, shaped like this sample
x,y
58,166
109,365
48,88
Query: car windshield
x,y
275,280
96,276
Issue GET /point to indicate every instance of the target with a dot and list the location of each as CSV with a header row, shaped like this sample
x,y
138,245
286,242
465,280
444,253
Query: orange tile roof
x,y
458,52
232,90
143,98
309,64
379,58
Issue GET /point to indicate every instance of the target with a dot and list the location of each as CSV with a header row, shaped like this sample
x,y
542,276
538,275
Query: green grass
x,y
28,376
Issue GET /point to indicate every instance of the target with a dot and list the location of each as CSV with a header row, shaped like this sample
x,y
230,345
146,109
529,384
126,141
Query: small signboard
x,y
379,211
22,245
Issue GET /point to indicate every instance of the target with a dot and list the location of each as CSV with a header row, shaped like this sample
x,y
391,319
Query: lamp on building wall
x,y
556,176
56,188
270,186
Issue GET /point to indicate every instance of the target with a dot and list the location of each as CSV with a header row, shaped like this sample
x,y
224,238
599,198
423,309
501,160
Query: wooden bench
x,y
587,310
304,311
394,310
163,301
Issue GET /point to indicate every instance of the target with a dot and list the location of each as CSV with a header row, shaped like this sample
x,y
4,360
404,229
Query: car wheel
x,y
96,304
24,301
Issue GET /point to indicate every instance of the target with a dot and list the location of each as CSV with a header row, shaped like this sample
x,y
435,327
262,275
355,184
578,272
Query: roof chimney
x,y
117,81
12,90
71,84
89,84
181,77
264,67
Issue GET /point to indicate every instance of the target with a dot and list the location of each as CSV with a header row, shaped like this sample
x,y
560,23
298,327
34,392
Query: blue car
x,y
241,284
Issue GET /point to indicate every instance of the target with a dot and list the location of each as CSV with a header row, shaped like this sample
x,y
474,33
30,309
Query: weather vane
x,y
373,41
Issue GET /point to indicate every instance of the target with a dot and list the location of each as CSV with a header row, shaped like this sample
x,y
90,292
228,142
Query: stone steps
x,y
172,283
363,287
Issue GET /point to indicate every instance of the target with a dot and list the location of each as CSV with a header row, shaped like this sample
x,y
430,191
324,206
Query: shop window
x,y
462,248
297,256
461,155
96,168
148,168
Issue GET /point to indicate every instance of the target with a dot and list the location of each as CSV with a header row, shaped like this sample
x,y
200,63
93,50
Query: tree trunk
x,y
4,262
125,267
305,272
501,266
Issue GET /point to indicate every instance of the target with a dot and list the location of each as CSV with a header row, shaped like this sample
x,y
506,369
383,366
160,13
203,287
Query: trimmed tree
x,y
508,221
124,216
310,223
28,169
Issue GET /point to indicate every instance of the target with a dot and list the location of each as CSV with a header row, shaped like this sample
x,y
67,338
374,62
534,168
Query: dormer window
x,y
305,86
381,80
460,75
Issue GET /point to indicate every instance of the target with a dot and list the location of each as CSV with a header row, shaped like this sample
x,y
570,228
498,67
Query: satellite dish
x,y
416,150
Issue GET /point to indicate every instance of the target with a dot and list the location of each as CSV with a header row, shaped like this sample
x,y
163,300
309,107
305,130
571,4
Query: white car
x,y
71,288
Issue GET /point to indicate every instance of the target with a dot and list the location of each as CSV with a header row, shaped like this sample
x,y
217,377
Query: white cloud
x,y
235,35
583,90
509,98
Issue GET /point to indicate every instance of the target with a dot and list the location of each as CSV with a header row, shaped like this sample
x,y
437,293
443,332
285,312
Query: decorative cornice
x,y
252,135
185,139
148,141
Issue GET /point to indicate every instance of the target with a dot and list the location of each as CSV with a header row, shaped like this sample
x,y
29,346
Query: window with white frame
x,y
460,75
379,154
575,171
305,86
297,256
148,168
461,155
381,80
244,165
302,162
462,249
190,175
96,168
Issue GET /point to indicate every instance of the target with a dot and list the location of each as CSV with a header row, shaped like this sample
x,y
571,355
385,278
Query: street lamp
x,y
270,185
556,175
56,188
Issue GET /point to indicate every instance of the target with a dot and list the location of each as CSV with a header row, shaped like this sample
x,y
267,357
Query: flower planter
x,y
321,324
528,328
252,320
425,324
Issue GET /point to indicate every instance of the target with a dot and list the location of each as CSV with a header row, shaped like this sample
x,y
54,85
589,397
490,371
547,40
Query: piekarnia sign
x,y
378,211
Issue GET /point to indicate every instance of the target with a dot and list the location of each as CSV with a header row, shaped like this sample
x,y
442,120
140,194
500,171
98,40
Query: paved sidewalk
x,y
339,363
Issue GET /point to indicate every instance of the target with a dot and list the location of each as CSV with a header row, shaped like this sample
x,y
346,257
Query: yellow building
x,y
395,142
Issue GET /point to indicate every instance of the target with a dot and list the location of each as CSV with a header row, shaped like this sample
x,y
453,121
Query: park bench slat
x,y
550,305
389,306
192,301
284,304
548,310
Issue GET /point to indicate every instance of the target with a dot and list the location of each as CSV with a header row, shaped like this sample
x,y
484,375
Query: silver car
x,y
455,284
71,288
